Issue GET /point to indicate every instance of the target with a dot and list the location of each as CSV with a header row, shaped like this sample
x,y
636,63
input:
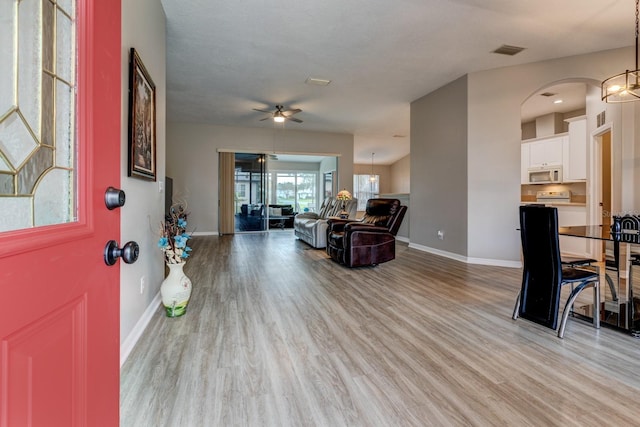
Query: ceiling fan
x,y
280,115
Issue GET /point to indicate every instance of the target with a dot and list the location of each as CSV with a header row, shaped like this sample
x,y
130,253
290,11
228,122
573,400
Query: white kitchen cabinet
x,y
574,165
573,246
546,152
524,163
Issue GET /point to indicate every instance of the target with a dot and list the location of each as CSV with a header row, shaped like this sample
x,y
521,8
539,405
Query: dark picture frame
x,y
142,120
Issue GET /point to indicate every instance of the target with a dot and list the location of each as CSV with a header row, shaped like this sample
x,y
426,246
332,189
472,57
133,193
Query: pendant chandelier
x,y
372,177
624,87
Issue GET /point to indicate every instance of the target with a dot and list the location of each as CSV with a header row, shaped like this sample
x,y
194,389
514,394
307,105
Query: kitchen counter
x,y
534,202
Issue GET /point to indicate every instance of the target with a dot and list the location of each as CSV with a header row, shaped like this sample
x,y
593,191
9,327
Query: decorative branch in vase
x,y
174,236
176,287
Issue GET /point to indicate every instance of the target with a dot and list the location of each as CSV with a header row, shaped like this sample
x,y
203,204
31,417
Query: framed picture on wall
x,y
142,120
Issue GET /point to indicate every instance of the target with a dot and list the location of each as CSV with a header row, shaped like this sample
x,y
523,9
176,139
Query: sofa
x,y
311,227
253,217
281,216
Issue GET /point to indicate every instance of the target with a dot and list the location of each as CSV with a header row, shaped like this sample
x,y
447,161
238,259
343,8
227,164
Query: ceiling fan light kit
x,y
279,115
623,87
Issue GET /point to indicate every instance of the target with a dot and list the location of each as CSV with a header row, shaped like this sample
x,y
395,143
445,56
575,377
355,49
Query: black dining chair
x,y
544,273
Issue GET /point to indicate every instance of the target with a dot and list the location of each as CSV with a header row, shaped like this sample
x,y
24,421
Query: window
x,y
241,191
365,188
298,189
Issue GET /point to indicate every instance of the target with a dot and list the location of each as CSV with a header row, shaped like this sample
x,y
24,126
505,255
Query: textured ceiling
x,y
225,58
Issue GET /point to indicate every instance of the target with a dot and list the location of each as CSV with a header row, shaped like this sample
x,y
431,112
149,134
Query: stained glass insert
x,y
7,56
64,125
16,142
48,209
64,33
16,214
37,113
30,62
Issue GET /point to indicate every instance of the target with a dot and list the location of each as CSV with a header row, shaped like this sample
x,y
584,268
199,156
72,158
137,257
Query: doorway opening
x,y
261,192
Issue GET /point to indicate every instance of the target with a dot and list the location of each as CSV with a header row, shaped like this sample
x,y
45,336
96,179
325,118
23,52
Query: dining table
x,y
619,308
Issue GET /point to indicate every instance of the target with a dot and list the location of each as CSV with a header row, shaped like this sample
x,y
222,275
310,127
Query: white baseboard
x,y
402,239
468,260
205,233
127,345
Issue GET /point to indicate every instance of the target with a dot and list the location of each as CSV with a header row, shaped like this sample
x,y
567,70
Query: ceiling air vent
x,y
317,82
505,49
548,94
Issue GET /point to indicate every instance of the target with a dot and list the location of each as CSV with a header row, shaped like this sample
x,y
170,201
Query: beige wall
x,y
384,171
401,175
394,178
143,27
192,160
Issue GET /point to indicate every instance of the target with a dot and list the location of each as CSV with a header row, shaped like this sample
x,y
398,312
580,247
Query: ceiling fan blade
x,y
266,118
291,112
263,111
293,119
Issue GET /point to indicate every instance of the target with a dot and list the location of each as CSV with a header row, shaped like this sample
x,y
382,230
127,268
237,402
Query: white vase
x,y
175,291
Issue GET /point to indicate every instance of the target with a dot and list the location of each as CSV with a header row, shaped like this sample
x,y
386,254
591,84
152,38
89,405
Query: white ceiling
x,y
225,58
572,95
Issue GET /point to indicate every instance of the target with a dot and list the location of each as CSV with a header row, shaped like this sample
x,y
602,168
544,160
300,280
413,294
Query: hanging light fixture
x,y
278,117
624,87
372,177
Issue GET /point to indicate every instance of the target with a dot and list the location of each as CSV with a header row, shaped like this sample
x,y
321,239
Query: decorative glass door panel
x,y
37,113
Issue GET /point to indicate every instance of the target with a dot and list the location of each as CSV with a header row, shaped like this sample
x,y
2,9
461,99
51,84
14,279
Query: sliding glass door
x,y
242,193
249,179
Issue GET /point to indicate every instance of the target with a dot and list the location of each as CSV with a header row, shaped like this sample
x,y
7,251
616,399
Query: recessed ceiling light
x,y
506,49
317,82
558,101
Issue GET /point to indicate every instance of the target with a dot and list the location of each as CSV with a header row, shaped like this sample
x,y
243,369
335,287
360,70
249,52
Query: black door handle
x,y
114,198
129,252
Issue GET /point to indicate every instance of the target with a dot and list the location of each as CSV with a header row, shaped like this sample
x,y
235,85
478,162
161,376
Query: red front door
x,y
59,323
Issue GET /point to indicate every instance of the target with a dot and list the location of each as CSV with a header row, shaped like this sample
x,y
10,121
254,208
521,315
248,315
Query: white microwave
x,y
545,175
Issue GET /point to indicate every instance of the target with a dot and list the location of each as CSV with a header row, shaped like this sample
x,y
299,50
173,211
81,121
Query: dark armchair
x,y
369,241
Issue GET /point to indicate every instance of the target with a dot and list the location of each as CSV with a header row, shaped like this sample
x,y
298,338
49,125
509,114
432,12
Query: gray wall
x,y
192,160
479,116
144,28
439,169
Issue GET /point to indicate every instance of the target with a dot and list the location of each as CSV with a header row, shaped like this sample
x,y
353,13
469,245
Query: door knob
x,y
129,252
114,198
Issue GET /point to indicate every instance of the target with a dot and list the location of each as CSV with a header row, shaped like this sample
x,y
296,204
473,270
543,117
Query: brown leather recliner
x,y
369,241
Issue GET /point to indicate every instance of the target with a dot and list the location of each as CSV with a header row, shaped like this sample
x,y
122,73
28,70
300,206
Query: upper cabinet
x,y
567,151
546,152
574,166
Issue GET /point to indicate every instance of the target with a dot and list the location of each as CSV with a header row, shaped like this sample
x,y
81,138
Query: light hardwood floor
x,y
277,334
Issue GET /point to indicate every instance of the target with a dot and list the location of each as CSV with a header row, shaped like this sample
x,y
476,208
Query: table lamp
x,y
343,196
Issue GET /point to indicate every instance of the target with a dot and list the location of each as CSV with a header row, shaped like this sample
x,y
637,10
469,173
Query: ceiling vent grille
x,y
505,49
317,82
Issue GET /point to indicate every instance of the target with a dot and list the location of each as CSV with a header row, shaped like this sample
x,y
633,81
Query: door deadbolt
x,y
114,198
129,252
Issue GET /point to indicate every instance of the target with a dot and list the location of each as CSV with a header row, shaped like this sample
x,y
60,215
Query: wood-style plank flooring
x,y
277,334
